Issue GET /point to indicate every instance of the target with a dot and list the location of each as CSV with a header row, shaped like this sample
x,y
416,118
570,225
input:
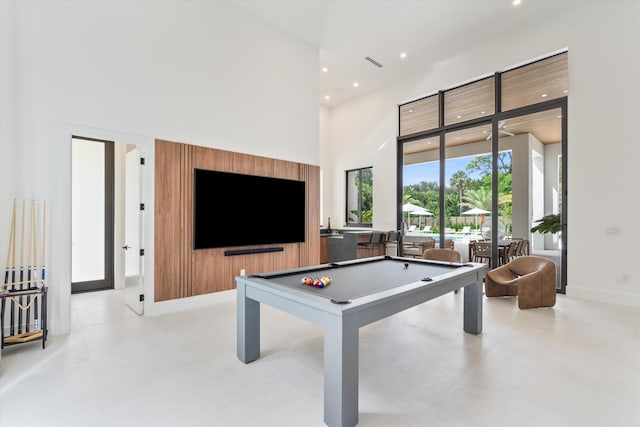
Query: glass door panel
x,y
467,188
88,212
92,214
535,144
421,185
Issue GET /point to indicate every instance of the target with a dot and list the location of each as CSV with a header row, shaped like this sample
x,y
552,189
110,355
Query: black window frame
x,y
359,198
498,115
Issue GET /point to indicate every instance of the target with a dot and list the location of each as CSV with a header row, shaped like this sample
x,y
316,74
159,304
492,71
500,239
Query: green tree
x,y
461,182
409,198
364,184
425,194
481,165
480,198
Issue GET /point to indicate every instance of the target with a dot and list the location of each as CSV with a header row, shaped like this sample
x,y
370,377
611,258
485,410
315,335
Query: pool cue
x,y
34,257
34,246
42,268
29,266
11,261
21,263
12,232
44,239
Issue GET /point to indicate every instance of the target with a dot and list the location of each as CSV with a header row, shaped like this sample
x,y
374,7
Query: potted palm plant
x,y
547,224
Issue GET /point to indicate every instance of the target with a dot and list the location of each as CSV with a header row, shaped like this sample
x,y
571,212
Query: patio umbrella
x,y
476,212
410,207
422,212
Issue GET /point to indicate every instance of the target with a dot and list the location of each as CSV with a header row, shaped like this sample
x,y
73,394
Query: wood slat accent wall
x,y
181,271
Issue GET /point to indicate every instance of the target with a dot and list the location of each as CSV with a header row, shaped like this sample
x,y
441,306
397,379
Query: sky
x,y
415,174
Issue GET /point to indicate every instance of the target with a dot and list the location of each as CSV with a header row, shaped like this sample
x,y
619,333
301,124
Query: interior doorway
x,y
107,218
92,213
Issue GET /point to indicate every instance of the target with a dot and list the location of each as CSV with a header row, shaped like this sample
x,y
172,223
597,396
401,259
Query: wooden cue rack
x,y
30,329
24,287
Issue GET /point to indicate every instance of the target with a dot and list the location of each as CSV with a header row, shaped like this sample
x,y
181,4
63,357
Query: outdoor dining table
x,y
503,247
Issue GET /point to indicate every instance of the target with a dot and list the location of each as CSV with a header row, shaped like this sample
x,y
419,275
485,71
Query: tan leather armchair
x,y
532,279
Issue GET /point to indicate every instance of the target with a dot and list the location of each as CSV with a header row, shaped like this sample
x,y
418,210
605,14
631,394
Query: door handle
x,y
125,247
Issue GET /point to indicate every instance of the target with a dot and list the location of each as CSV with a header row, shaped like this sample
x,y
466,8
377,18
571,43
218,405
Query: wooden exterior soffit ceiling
x,y
530,84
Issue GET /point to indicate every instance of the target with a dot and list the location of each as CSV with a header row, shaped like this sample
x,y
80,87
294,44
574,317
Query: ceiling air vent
x,y
374,62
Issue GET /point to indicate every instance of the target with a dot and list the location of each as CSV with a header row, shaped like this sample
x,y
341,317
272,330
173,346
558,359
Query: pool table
x,y
361,292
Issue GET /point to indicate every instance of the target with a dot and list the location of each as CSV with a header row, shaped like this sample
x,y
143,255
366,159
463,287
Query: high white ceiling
x,y
347,31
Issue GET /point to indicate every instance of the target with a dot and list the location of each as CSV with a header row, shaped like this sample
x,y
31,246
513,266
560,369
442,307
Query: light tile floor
x,y
577,364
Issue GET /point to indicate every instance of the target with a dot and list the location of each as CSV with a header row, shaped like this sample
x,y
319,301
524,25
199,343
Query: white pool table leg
x,y
473,307
248,324
341,372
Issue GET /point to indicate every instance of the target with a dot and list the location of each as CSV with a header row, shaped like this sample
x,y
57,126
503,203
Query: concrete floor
x,y
577,364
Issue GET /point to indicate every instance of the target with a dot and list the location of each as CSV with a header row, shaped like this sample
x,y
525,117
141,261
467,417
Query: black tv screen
x,y
232,209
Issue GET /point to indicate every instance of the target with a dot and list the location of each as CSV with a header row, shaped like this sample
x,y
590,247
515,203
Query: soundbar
x,y
253,251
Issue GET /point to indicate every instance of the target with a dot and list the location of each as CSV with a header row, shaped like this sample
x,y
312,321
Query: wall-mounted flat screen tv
x,y
232,209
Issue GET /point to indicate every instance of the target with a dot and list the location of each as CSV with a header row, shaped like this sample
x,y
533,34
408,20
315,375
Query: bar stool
x,y
377,243
392,240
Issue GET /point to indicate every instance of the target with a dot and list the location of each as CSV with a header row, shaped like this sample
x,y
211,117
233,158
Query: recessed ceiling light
x,y
565,91
459,117
544,95
484,131
356,84
559,117
516,2
481,112
325,69
411,111
403,55
327,97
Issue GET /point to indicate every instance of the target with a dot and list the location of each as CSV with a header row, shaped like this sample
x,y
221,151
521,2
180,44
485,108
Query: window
x,y
470,101
491,165
536,82
419,115
360,197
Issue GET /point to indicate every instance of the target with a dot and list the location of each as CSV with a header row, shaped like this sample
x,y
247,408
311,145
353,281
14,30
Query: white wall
x,y
603,39
327,184
203,73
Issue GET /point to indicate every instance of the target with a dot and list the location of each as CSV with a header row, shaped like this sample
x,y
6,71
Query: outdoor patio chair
x,y
521,248
482,252
441,254
510,252
466,229
416,249
531,278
